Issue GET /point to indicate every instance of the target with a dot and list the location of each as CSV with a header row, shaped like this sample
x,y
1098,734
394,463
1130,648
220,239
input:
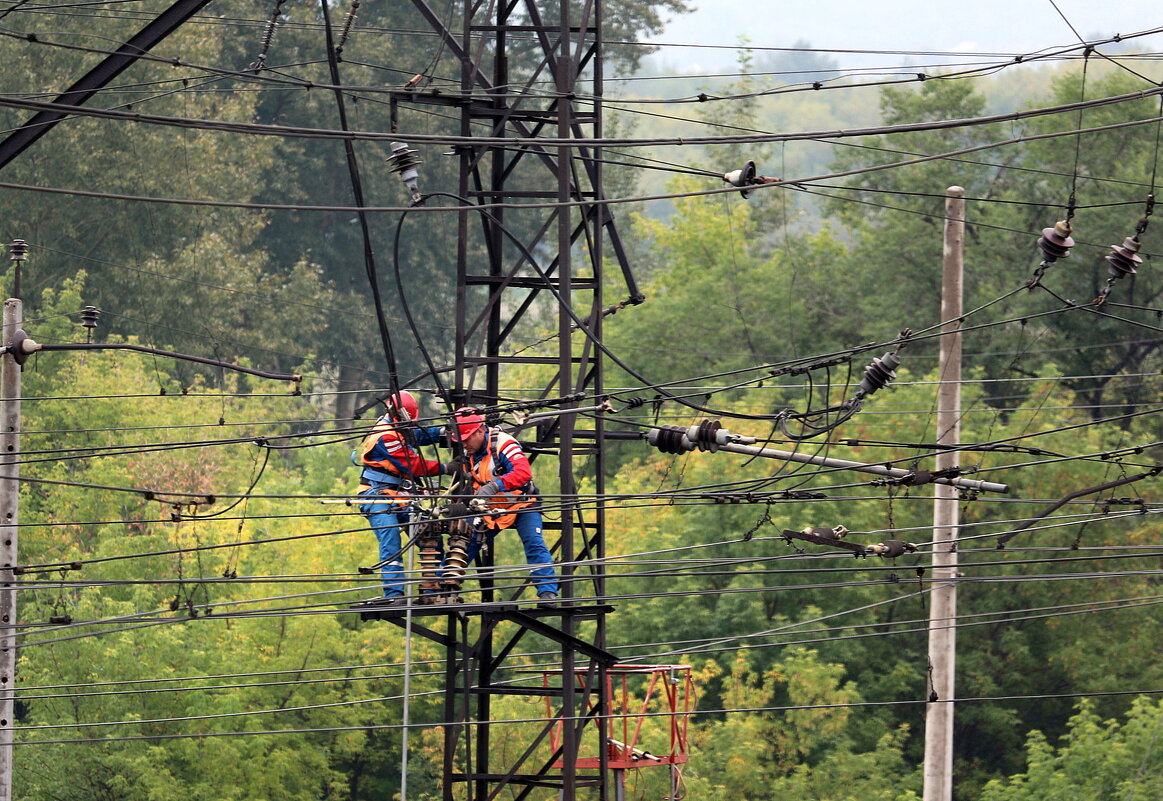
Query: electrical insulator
x,y
705,435
18,250
1123,258
429,542
1055,242
455,562
743,178
891,549
879,374
348,21
405,161
89,316
670,439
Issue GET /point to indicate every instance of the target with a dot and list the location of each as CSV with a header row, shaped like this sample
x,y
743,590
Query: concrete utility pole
x,y
943,600
9,489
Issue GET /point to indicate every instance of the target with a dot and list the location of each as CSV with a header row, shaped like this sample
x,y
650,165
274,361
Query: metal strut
x,y
122,58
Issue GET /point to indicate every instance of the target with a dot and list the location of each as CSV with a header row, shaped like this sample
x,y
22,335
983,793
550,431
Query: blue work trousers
x,y
386,519
528,525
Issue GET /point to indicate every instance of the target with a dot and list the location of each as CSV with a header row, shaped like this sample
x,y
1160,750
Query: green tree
x,y
1096,760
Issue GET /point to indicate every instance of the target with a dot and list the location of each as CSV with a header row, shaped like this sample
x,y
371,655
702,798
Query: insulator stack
x,y
429,543
1055,242
268,36
18,250
879,374
403,158
404,161
348,22
455,561
89,316
670,439
1123,258
705,435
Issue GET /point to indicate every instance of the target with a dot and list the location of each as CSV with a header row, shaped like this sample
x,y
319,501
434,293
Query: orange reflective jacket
x,y
507,501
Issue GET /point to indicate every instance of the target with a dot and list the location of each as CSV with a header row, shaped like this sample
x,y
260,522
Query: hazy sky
x,y
1003,26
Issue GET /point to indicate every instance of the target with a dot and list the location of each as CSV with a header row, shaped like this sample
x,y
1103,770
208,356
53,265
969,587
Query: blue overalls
x,y
386,518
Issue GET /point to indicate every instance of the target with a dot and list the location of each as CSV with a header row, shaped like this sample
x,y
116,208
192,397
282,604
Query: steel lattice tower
x,y
534,255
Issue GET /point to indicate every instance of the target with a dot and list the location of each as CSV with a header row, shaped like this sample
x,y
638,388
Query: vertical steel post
x,y
938,783
9,519
496,286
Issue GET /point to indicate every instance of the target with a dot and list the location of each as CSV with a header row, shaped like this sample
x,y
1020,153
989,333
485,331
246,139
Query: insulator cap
x,y
1055,242
18,250
879,374
1123,258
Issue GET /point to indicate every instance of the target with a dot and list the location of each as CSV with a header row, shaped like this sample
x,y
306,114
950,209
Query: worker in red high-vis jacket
x,y
502,483
391,462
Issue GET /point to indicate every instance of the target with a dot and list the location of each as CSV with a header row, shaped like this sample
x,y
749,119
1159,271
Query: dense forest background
x,y
203,651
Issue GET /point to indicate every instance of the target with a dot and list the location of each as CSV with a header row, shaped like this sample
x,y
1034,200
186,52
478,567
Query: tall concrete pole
x,y
943,600
9,493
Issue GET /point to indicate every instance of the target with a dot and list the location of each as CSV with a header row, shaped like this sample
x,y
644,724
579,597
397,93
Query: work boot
x,y
545,600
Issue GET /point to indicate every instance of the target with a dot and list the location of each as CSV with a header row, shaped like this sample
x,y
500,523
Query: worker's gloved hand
x,y
457,514
489,489
455,467
455,509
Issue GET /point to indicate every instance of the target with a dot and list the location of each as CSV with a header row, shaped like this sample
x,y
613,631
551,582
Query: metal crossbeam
x,y
88,85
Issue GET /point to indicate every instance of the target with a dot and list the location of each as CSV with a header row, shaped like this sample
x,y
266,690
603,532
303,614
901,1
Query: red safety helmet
x,y
403,406
468,421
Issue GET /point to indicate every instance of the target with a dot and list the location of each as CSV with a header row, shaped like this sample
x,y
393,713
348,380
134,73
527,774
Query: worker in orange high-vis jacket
x,y
502,482
391,462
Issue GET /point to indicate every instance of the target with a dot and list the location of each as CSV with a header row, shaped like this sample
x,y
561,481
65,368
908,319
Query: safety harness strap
x,y
371,474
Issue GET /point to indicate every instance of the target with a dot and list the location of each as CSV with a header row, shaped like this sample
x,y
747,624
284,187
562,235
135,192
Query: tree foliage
x,y
812,667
